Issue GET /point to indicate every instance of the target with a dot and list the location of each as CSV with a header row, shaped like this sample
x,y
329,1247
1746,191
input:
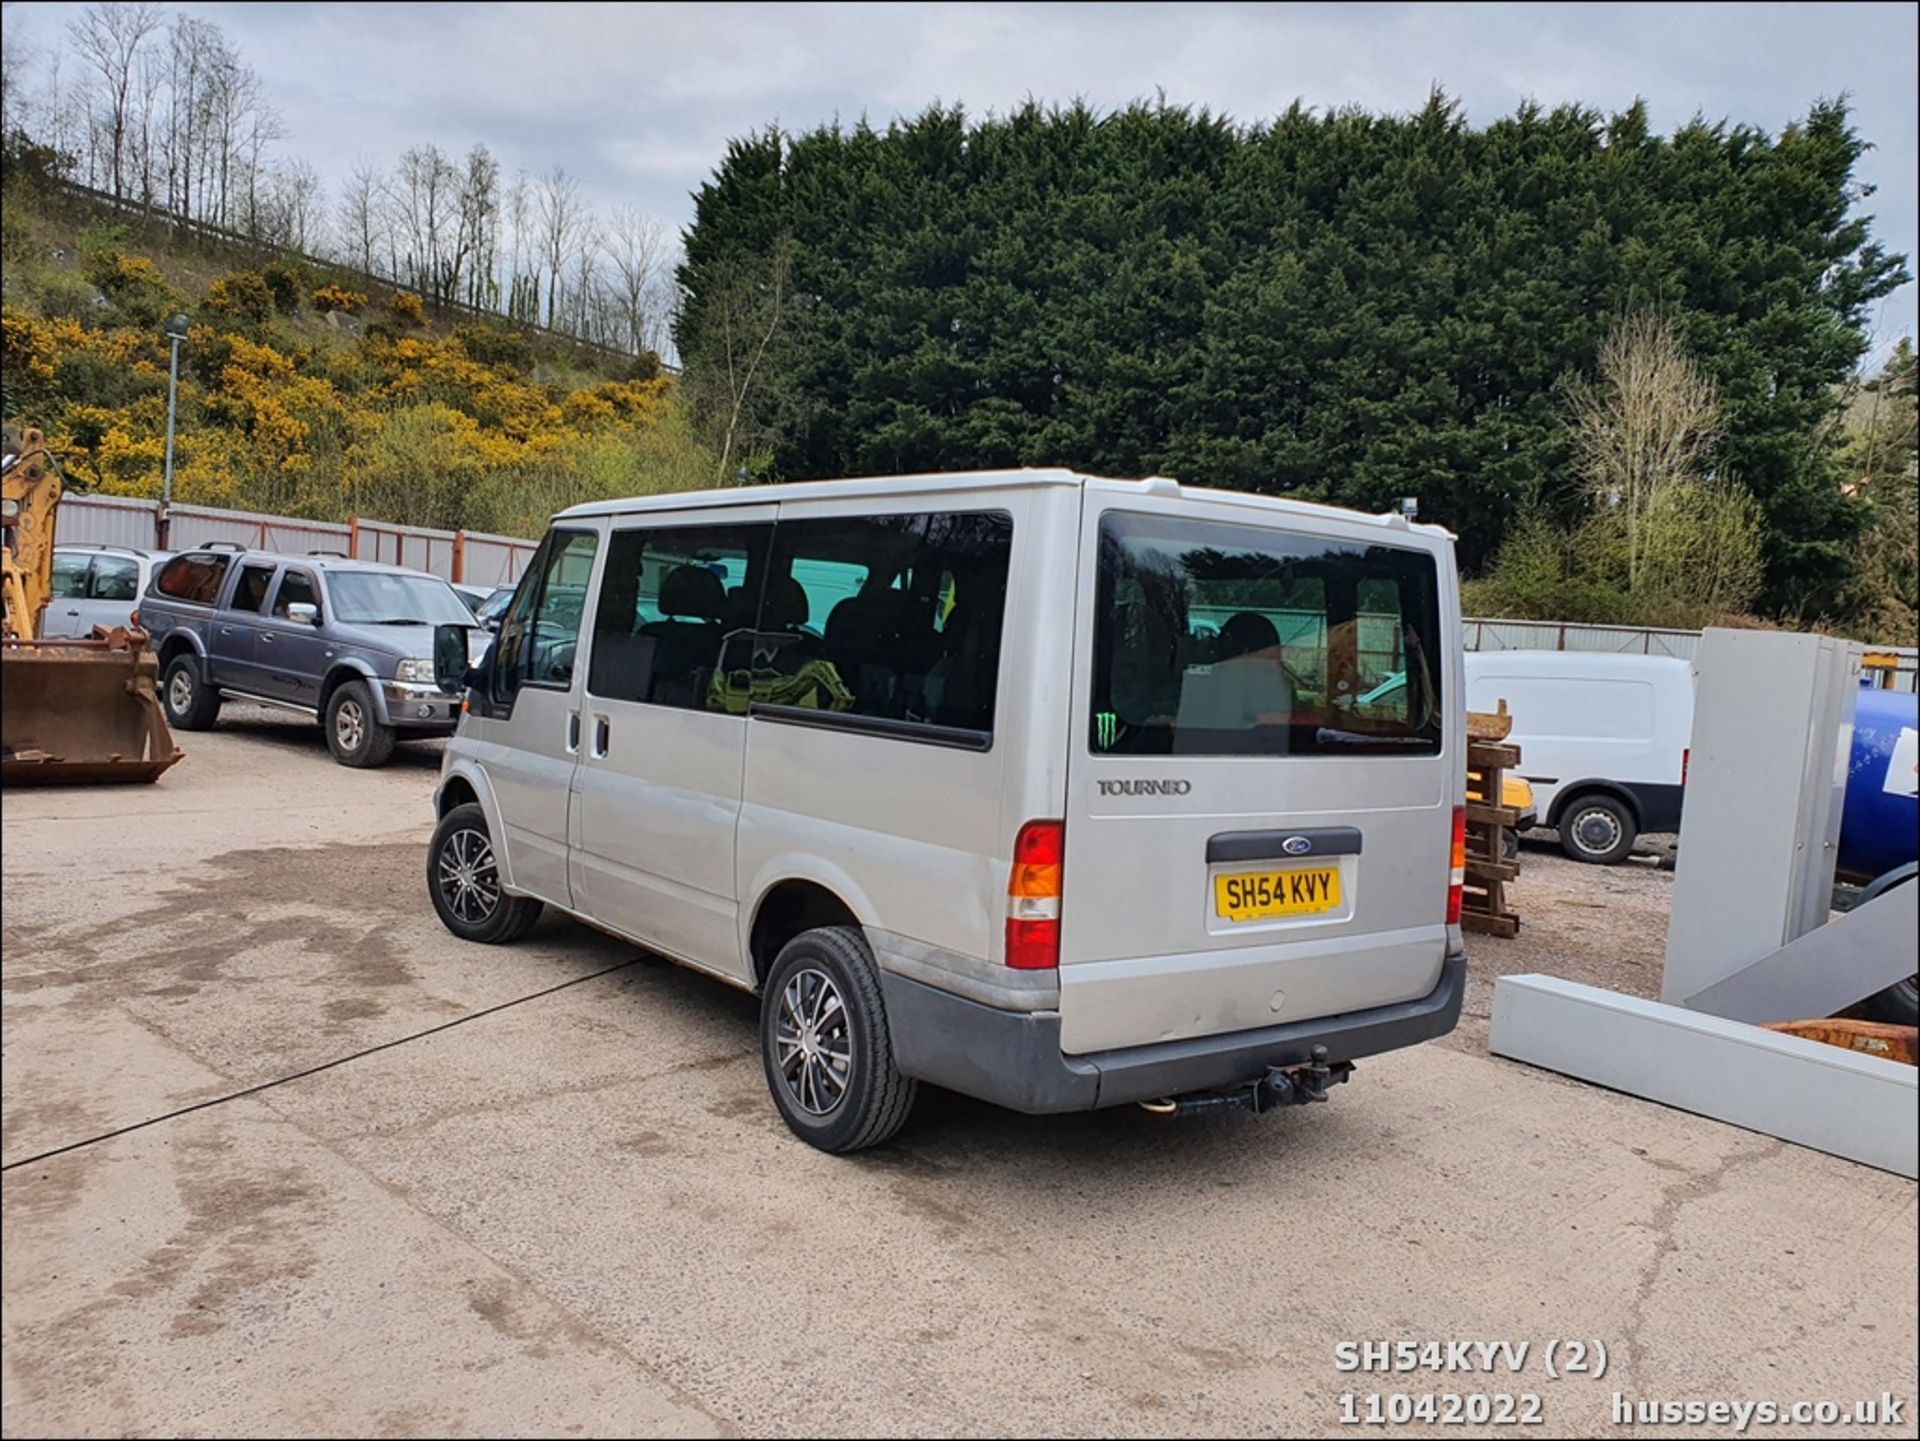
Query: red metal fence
x,y
463,556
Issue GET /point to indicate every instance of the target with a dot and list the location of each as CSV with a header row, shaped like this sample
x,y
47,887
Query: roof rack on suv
x,y
341,553
100,545
233,545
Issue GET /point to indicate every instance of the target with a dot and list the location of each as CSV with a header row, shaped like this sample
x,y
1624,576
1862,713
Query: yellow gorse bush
x,y
273,417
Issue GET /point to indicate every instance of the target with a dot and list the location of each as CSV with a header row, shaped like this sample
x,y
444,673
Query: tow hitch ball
x,y
1281,1086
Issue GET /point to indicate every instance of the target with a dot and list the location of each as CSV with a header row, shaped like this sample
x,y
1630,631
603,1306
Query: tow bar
x,y
1281,1086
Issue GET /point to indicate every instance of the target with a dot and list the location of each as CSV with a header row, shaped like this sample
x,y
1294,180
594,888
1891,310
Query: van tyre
x,y
354,732
192,704
463,878
1598,829
825,1045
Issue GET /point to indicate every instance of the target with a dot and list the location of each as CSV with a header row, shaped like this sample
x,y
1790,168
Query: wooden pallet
x,y
1483,906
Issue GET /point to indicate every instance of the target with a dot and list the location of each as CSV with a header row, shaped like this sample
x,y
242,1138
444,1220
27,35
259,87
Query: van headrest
x,y
692,591
1247,631
785,605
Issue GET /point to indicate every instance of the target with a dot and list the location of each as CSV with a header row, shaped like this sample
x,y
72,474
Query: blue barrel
x,y
1880,828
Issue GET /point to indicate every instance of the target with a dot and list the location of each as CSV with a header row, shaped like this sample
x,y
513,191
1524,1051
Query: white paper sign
x,y
1903,771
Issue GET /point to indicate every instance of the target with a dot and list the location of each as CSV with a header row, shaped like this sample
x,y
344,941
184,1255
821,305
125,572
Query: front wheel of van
x,y
463,878
1598,829
825,1045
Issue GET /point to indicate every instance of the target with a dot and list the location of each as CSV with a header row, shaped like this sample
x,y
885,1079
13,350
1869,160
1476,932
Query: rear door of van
x,y
1266,754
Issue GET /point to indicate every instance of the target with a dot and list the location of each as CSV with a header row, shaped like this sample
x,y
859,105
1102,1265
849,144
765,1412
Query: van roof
x,y
961,482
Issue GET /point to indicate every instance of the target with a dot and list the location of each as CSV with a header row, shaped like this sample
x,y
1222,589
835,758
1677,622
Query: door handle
x,y
601,731
266,637
224,630
573,733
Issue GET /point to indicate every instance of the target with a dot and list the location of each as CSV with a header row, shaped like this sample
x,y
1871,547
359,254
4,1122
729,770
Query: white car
x,y
96,585
1052,790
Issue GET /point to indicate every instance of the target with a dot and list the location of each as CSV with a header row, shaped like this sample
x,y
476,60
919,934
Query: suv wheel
x,y
192,704
463,878
354,732
1596,828
825,1045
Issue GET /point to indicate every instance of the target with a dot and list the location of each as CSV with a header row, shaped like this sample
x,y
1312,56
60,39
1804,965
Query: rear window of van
x,y
1215,638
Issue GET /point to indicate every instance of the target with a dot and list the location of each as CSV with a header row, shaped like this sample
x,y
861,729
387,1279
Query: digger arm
x,y
29,494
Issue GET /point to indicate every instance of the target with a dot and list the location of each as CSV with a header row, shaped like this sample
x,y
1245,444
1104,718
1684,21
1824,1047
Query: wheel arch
x,y
462,782
343,671
789,901
178,642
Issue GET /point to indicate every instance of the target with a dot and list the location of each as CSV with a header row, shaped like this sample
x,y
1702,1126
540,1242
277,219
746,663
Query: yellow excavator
x,y
71,711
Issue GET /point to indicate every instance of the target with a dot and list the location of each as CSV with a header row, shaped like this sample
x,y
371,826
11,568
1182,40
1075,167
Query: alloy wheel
x,y
469,879
813,1043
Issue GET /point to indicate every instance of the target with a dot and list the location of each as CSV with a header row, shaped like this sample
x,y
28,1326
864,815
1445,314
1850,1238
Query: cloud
x,y
638,101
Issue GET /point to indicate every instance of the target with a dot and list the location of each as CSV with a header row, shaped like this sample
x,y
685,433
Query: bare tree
x,y
193,46
587,290
1648,422
240,124
523,287
360,217
298,207
425,191
109,37
638,249
18,60
739,361
478,231
562,212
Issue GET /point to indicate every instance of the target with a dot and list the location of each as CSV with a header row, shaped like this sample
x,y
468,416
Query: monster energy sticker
x,y
1106,727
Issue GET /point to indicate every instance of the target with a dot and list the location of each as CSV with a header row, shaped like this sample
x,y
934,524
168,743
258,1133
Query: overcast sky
x,y
638,101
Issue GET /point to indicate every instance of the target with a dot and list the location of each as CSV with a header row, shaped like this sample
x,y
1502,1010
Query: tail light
x,y
134,620
1033,896
1457,876
1685,756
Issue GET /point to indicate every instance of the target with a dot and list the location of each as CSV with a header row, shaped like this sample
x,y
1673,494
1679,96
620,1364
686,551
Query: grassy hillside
x,y
301,395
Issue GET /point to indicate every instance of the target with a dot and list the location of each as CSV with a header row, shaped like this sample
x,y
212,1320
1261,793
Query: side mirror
x,y
450,657
301,613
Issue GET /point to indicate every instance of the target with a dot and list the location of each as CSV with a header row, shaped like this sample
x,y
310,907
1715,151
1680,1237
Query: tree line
x,y
163,111
1337,305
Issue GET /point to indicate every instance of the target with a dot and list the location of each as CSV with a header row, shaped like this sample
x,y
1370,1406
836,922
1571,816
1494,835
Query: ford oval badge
x,y
1296,845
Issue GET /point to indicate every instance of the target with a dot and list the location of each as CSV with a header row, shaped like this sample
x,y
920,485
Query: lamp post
x,y
175,329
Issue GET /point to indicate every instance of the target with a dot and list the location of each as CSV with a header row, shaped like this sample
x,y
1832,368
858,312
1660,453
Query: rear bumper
x,y
1013,1059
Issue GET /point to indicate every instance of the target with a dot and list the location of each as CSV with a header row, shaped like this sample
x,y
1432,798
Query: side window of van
x,y
676,613
540,633
890,618
1225,639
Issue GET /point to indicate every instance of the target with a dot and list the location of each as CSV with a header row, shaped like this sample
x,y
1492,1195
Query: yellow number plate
x,y
1262,895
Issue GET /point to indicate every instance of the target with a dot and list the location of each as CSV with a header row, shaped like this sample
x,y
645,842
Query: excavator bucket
x,y
82,712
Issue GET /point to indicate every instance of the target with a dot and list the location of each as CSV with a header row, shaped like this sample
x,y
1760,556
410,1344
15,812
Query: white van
x,y
1051,790
1603,740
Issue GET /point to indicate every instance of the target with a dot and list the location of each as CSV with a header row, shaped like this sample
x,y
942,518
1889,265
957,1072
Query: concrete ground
x,y
580,1214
